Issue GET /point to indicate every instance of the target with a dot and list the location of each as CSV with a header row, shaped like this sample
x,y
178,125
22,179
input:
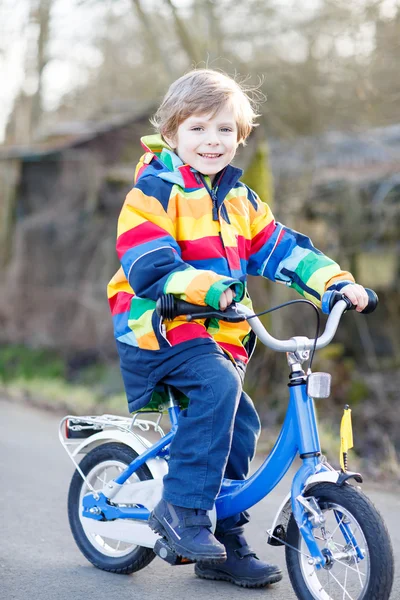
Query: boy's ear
x,y
170,141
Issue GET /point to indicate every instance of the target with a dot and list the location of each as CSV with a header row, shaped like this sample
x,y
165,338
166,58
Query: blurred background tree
x,y
325,63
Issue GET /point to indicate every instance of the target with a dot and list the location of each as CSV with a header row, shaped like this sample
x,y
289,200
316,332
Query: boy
x,y
189,227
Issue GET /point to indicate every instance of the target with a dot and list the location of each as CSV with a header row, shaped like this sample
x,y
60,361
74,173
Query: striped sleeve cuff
x,y
216,289
339,285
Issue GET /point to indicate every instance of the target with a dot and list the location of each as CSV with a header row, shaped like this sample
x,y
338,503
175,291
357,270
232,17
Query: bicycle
x,y
336,543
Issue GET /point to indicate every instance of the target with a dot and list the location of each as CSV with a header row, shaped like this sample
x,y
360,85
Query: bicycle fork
x,y
306,511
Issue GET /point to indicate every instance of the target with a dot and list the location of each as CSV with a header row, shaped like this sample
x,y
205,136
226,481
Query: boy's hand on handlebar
x,y
357,295
226,299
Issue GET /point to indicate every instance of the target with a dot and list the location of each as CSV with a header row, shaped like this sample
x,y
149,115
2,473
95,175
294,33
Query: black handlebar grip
x,y
168,307
165,306
330,298
372,302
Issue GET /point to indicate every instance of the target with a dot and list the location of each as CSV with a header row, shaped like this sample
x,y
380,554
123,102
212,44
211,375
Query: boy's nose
x,y
213,139
213,142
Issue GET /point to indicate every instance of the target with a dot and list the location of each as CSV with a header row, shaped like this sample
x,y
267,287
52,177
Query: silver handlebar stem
x,y
294,344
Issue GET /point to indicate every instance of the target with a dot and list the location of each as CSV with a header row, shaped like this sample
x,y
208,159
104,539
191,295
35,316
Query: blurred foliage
x,y
19,362
258,175
322,65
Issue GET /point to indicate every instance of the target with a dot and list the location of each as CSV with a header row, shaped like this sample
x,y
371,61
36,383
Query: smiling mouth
x,y
210,155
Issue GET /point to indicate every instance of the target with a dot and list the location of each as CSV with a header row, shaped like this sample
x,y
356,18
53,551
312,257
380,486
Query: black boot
x,y
188,532
242,566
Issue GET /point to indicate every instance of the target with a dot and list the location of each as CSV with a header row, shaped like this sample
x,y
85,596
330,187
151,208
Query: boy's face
x,y
207,143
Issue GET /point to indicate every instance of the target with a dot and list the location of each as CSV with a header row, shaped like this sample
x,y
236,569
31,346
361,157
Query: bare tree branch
x,y
152,41
188,44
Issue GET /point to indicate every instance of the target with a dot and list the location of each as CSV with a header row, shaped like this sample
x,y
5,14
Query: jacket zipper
x,y
213,194
214,199
163,331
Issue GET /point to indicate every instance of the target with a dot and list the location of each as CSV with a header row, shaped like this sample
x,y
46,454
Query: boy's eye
x,y
226,129
197,128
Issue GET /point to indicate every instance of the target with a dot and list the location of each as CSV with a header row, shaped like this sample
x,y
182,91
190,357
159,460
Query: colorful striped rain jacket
x,y
178,236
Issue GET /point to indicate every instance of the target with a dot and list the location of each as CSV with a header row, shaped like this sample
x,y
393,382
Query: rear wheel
x,y
101,465
356,543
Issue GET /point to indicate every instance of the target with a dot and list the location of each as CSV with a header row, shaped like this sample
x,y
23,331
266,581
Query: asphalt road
x,y
39,559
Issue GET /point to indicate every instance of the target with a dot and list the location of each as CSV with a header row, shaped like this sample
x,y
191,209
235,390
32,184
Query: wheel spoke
x,y
337,545
103,480
337,527
353,533
339,562
101,474
331,582
345,581
340,585
358,570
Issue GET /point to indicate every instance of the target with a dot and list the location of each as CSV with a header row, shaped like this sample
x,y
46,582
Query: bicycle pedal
x,y
164,551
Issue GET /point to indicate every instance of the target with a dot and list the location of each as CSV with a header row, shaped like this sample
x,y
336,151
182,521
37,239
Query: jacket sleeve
x,y
289,257
151,257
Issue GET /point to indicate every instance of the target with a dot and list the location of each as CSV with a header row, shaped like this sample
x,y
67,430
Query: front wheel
x,y
101,465
356,543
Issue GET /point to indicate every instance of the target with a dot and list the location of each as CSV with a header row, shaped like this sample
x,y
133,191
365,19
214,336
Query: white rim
x,y
98,477
347,579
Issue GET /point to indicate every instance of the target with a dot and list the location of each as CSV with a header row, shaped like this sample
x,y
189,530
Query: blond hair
x,y
205,91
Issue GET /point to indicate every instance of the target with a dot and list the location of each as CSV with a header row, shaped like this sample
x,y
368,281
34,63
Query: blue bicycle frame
x,y
299,435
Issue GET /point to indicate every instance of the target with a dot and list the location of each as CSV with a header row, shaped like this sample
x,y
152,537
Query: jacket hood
x,y
170,167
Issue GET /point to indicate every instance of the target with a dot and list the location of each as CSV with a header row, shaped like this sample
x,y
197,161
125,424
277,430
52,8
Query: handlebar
x,y
330,298
168,307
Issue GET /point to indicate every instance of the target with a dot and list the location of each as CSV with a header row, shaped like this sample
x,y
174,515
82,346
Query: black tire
x,y
373,578
131,561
